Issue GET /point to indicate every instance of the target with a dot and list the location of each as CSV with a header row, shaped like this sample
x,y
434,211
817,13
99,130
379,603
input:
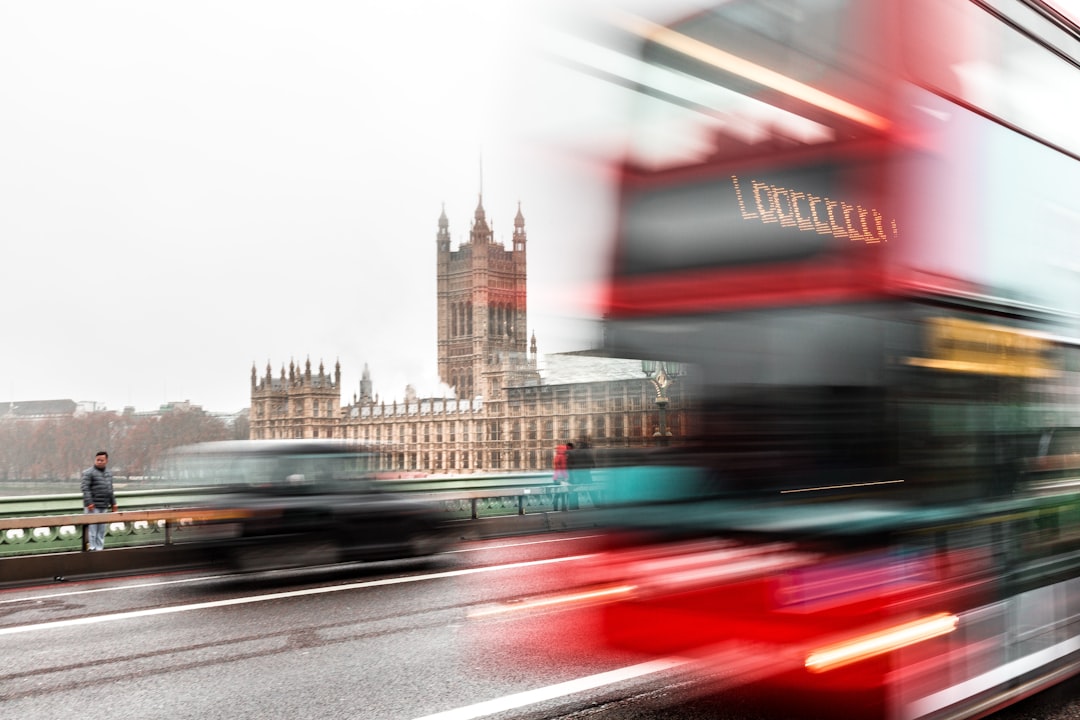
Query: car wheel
x,y
256,558
426,542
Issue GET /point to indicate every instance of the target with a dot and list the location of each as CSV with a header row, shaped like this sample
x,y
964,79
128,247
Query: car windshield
x,y
286,470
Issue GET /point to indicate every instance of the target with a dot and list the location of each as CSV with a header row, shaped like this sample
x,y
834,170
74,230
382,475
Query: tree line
x,y
59,449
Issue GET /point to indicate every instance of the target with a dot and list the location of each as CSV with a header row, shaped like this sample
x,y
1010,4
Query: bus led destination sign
x,y
769,203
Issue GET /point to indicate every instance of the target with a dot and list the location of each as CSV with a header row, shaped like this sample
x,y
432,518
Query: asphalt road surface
x,y
445,639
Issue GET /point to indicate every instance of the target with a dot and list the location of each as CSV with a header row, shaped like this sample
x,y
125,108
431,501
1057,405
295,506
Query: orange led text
x,y
811,213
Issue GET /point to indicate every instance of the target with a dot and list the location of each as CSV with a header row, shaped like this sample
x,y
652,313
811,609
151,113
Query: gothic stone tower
x,y
298,405
481,309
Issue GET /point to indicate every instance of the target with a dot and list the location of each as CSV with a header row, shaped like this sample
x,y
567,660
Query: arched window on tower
x,y
468,318
453,320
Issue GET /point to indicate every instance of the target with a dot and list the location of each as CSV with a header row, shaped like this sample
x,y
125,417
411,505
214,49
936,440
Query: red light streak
x,y
878,643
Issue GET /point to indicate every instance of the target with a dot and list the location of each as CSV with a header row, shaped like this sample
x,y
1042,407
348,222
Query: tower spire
x,y
442,238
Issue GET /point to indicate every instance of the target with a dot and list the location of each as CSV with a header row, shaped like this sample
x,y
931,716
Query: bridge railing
x,y
176,515
151,493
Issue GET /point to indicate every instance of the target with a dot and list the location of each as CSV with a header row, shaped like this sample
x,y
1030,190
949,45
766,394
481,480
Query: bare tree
x,y
58,449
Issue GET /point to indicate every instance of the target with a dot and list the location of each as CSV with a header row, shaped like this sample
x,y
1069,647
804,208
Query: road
x,y
396,640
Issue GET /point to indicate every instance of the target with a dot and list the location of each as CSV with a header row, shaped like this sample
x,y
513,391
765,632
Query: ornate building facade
x,y
508,410
298,405
482,297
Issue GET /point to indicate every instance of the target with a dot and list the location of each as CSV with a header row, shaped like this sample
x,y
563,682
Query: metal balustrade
x,y
167,525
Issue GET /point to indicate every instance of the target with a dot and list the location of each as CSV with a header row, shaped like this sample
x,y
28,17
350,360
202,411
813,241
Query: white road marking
x,y
161,583
112,588
521,544
149,612
551,692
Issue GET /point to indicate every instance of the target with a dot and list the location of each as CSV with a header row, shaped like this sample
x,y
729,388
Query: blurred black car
x,y
299,503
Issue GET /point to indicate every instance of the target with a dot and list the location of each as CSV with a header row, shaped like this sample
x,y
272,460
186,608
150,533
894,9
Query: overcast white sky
x,y
188,188
191,187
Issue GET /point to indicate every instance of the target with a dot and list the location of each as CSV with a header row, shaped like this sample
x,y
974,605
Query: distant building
x,y
234,420
175,407
38,409
298,405
86,407
49,409
509,410
482,294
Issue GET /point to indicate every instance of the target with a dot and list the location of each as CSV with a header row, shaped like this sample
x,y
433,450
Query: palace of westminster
x,y
508,412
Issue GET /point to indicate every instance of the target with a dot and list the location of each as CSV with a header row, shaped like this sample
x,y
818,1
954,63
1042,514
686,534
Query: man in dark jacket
x,y
580,463
98,496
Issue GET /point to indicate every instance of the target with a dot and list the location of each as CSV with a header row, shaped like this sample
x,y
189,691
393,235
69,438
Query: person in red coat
x,y
560,475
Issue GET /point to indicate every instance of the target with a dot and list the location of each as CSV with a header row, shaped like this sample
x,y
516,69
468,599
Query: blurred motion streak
x,y
271,505
868,646
841,487
555,601
852,227
744,68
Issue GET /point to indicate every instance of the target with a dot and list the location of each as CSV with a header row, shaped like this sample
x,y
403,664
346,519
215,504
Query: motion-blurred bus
x,y
853,225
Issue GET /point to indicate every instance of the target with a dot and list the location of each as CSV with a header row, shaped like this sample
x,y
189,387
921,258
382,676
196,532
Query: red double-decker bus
x,y
854,223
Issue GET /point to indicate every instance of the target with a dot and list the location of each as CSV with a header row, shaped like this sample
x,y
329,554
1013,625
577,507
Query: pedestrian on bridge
x,y
98,496
559,474
580,463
